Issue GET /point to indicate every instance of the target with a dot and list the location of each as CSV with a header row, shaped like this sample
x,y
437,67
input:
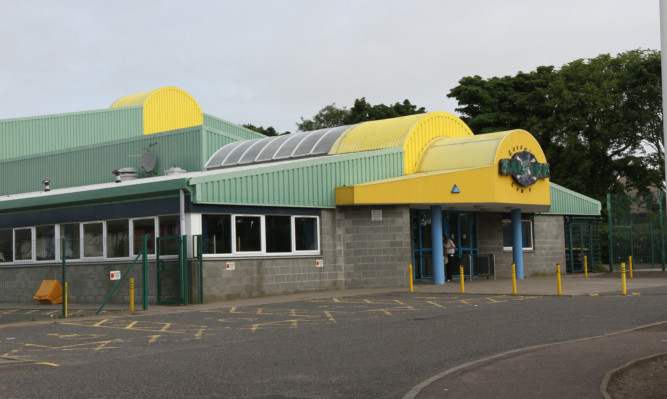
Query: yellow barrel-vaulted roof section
x,y
413,133
477,151
166,108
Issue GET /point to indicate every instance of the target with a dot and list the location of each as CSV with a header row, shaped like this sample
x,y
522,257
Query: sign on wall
x,y
524,168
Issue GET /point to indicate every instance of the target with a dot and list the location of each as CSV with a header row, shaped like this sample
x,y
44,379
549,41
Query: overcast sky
x,y
272,62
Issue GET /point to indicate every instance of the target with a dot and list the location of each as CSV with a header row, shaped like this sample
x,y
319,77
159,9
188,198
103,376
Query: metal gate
x,y
172,270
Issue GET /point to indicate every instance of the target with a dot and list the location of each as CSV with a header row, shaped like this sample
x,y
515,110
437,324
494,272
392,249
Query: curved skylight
x,y
286,146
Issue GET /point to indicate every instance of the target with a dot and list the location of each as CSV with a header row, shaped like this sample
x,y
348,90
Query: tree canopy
x,y
598,120
361,111
269,131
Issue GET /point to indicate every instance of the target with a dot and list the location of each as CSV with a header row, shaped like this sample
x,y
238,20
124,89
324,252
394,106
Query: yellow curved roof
x,y
477,151
166,108
413,133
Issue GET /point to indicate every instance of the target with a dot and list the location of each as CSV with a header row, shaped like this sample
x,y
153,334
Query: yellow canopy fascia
x,y
472,189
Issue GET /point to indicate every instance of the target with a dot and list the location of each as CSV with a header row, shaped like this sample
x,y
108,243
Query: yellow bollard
x,y
65,299
623,282
586,266
560,287
513,279
463,284
131,295
630,264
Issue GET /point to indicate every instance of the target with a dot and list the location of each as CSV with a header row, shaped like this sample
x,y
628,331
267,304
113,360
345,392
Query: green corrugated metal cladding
x,y
306,183
188,149
40,134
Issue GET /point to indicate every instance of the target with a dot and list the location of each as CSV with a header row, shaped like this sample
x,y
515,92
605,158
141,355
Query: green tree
x,y
269,131
597,119
361,111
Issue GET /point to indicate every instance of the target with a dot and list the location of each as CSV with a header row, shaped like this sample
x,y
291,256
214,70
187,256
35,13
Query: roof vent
x,y
125,174
174,170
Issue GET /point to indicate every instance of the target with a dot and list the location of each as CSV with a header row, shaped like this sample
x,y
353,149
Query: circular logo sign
x,y
524,168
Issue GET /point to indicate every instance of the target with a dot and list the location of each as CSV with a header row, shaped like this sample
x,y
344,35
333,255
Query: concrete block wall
x,y
88,283
548,244
374,253
255,277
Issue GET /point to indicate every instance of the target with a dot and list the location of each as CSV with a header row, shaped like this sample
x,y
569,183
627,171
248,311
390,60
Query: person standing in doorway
x,y
450,247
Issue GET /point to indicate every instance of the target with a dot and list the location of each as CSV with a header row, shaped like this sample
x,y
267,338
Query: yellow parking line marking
x,y
335,299
435,304
399,302
153,338
100,323
329,316
48,364
464,301
166,327
9,354
385,311
491,300
129,326
368,301
593,294
200,332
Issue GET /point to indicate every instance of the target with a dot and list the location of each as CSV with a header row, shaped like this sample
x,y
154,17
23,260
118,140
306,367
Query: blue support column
x,y
517,242
436,244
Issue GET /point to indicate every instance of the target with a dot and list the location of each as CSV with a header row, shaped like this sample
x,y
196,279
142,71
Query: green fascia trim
x,y
118,192
567,202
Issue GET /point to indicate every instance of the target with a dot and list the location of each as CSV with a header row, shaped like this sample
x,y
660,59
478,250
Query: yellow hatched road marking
x,y
100,323
399,302
48,364
435,304
153,338
129,326
293,323
166,327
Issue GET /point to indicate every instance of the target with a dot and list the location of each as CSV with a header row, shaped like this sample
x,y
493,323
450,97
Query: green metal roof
x,y
568,202
222,125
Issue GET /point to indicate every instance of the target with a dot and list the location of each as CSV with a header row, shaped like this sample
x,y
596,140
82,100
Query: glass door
x,y
422,258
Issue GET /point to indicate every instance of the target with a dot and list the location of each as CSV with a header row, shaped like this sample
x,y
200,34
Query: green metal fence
x,y
582,244
636,228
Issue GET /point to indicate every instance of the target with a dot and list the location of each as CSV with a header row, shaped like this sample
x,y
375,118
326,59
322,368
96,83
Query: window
x,y
118,244
45,243
305,233
278,234
143,227
93,240
526,234
6,252
263,234
72,234
23,244
169,226
248,233
217,234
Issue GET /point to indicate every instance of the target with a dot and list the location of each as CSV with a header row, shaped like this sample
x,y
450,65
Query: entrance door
x,y
422,258
461,227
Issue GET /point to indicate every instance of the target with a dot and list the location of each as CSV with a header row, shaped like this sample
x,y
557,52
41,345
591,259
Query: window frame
x,y
263,252
530,229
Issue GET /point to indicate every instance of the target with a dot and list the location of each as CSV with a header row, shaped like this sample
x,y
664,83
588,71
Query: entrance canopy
x,y
488,172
